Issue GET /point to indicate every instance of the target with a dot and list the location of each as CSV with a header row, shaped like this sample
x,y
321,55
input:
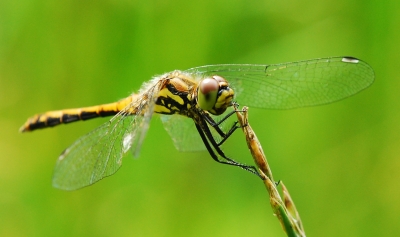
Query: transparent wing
x,y
99,153
294,84
183,133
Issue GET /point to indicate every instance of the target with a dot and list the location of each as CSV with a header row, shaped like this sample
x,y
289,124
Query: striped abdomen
x,y
53,118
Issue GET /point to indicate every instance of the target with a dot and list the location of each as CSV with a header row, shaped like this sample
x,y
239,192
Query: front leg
x,y
216,127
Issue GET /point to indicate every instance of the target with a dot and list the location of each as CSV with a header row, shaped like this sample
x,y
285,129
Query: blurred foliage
x,y
339,161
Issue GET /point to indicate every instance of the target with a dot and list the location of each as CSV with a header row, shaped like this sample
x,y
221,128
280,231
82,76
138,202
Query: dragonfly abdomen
x,y
54,118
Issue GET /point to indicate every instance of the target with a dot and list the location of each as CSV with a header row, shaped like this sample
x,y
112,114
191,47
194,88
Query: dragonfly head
x,y
214,95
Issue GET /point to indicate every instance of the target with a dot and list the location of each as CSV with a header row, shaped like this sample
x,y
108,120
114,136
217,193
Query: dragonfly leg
x,y
229,133
207,138
235,109
215,125
234,126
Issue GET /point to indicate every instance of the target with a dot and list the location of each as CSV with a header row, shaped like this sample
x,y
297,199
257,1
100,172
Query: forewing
x,y
295,84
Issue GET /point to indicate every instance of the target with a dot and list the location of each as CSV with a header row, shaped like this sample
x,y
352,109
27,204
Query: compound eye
x,y
207,93
219,79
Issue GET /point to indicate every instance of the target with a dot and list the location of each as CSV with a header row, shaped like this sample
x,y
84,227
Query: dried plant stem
x,y
285,210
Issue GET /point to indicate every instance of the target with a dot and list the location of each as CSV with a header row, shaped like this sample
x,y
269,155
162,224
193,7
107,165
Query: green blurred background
x,y
339,161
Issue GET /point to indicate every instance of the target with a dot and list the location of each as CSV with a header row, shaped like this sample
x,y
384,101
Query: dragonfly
x,y
196,99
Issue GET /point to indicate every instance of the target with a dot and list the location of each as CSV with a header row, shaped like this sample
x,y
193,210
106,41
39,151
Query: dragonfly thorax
x,y
214,95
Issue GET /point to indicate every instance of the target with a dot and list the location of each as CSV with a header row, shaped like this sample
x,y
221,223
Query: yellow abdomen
x,y
53,118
